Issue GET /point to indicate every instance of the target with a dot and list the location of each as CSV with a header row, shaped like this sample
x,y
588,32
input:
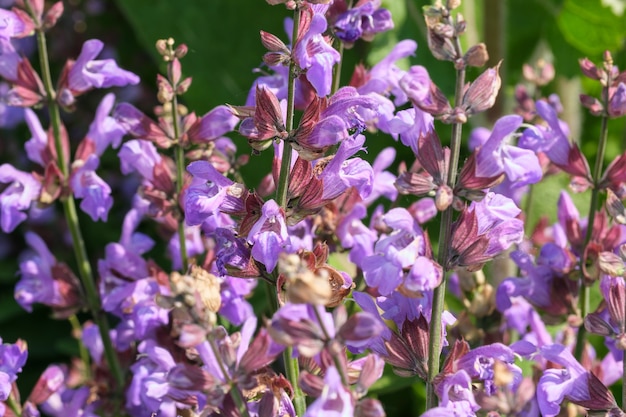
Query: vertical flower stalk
x,y
445,228
69,209
585,288
173,72
292,368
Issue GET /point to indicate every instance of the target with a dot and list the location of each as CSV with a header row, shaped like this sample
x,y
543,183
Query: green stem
x,y
93,300
14,406
69,208
435,331
292,368
180,177
337,73
84,353
585,289
285,165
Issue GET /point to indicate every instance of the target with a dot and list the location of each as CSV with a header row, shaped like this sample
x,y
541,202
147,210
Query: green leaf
x,y
223,40
591,27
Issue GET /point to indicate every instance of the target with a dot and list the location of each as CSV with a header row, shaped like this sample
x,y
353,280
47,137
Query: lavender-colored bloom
x,y
37,144
535,286
10,116
212,125
384,77
105,131
556,385
10,24
397,253
552,140
268,236
139,156
424,209
409,124
455,392
354,235
87,72
335,401
22,189
94,191
341,173
36,284
347,110
71,402
92,340
12,358
362,21
497,220
383,183
9,60
495,156
617,104
313,54
207,191
479,364
160,385
234,291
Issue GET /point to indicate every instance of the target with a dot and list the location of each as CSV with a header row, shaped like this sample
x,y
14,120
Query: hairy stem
x,y
71,216
180,177
583,301
435,331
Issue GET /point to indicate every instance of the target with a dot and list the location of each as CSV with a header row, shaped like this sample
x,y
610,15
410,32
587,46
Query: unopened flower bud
x,y
183,86
165,92
482,93
615,207
453,4
589,69
443,197
273,43
593,104
476,56
52,15
50,381
174,71
180,51
161,47
460,25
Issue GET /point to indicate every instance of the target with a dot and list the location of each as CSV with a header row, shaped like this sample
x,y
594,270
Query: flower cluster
x,y
343,246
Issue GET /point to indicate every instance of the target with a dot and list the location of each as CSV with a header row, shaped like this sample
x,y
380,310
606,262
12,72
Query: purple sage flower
x,y
313,53
362,22
335,401
12,359
87,72
16,198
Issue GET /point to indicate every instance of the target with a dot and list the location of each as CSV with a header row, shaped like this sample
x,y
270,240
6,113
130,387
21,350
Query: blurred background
x,y
224,51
